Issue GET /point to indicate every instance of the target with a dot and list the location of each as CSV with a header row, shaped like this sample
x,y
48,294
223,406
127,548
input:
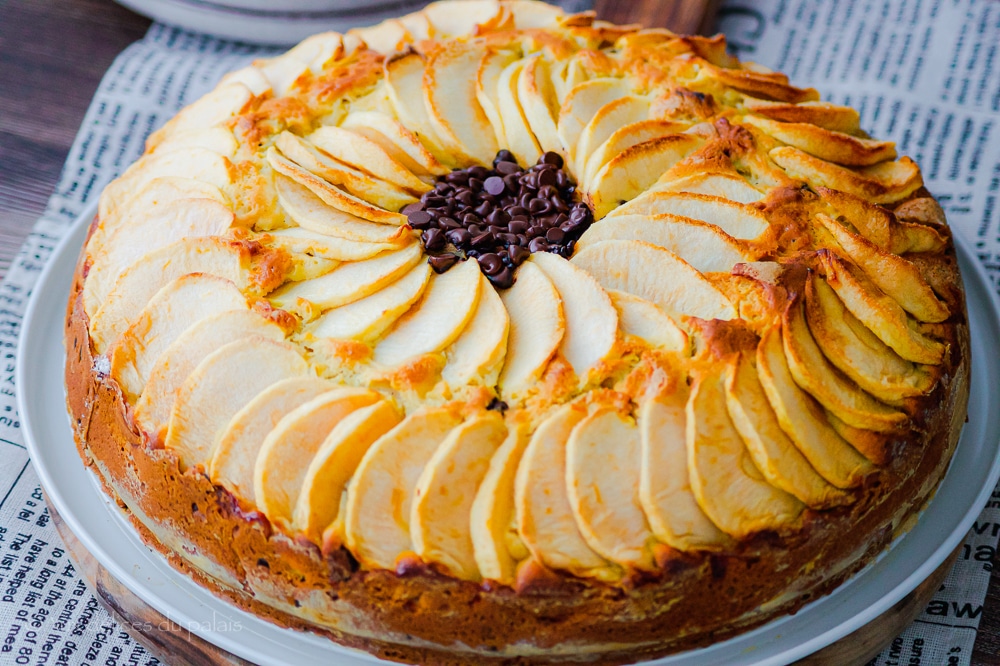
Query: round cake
x,y
494,334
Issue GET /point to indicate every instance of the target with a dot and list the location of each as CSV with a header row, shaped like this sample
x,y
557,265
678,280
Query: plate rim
x,y
27,342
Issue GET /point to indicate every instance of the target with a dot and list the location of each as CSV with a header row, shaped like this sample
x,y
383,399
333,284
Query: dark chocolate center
x,y
500,216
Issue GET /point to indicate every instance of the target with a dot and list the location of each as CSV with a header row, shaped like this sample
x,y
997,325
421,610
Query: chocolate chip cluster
x,y
500,216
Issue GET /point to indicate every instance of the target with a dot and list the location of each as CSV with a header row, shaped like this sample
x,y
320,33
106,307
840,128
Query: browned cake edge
x,y
416,615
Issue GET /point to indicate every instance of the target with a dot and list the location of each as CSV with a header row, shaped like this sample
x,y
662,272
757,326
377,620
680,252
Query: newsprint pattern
x,y
922,72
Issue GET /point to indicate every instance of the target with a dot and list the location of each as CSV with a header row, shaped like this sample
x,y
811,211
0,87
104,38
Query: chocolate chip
x,y
433,239
555,235
504,279
504,156
494,185
500,216
458,237
483,240
517,254
518,226
442,262
496,404
546,178
538,245
419,219
508,168
555,159
491,263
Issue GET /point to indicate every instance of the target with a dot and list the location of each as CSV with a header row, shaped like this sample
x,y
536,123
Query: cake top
x,y
548,252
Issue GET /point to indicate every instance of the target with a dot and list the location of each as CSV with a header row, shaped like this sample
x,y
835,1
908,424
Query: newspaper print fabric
x,y
883,57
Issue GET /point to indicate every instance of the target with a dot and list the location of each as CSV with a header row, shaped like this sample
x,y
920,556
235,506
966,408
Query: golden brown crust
x,y
410,614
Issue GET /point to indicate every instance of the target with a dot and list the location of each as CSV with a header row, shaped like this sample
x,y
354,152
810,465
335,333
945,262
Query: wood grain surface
x,y
52,56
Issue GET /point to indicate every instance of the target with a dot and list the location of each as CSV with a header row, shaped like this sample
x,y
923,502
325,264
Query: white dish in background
x,y
105,532
281,23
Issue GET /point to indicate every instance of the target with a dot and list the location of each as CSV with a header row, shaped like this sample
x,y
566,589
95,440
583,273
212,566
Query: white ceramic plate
x,y
104,531
268,22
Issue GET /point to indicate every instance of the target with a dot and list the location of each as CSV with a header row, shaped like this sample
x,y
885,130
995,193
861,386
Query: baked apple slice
x,y
311,213
537,326
225,381
299,240
365,320
140,282
824,114
603,461
737,220
442,500
161,226
478,353
894,275
538,100
580,106
655,274
319,500
157,193
487,80
235,455
175,308
401,144
635,169
545,520
442,313
449,92
645,320
494,538
520,139
777,458
608,119
198,164
624,138
288,450
885,182
816,375
365,155
857,352
338,198
880,312
664,483
803,420
354,191
172,367
591,319
377,518
721,184
351,281
826,144
727,484
446,22
706,247
404,78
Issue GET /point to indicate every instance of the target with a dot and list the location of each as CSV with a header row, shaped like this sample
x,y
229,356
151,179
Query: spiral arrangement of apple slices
x,y
738,337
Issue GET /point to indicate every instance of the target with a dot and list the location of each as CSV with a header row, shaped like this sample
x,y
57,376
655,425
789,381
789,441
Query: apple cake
x,y
498,334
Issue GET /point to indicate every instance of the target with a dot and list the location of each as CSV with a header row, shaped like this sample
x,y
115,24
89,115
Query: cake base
x,y
172,643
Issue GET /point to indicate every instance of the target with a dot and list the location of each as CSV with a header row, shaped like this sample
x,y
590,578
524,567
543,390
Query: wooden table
x,y
52,56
